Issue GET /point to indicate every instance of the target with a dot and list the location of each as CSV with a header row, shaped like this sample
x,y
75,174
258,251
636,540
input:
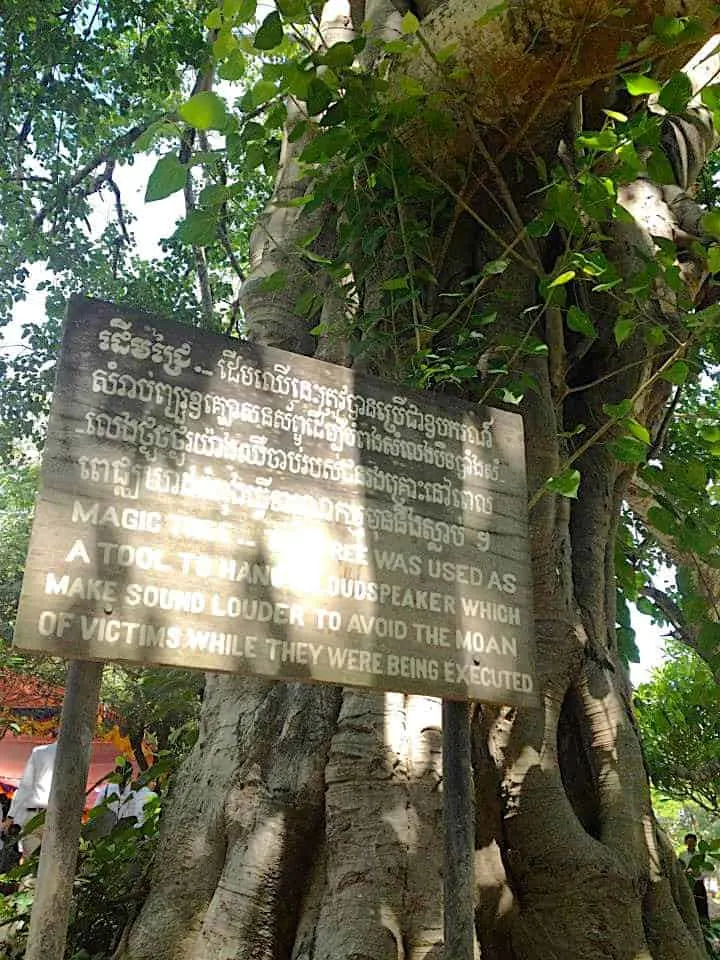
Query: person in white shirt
x,y
138,803
33,795
127,802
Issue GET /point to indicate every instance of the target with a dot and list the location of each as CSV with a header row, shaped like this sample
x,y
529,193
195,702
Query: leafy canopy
x,y
680,724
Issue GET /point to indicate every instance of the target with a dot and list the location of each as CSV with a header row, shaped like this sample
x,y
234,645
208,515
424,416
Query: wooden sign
x,y
216,504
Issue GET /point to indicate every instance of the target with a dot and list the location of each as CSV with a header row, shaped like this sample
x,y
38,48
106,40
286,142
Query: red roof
x,y
20,691
14,753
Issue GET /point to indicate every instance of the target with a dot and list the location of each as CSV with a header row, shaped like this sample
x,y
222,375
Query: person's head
x,y
690,841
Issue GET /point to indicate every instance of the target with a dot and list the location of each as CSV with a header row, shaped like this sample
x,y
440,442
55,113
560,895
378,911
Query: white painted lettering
x,y
77,550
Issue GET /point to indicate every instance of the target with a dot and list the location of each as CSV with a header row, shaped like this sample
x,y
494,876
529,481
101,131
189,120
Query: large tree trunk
x,y
306,823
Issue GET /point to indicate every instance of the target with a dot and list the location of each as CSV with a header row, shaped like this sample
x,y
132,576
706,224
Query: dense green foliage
x,y
680,722
18,485
81,83
109,887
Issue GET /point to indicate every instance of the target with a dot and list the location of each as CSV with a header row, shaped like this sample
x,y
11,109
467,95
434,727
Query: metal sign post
x,y
59,850
459,831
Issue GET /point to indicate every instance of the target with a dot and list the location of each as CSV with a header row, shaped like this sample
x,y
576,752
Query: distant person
x,y
123,801
32,795
116,788
696,878
139,802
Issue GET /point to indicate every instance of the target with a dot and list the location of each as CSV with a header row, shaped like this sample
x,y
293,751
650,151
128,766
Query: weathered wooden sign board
x,y
215,504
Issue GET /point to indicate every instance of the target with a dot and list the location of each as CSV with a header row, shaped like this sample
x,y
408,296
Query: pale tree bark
x,y
306,823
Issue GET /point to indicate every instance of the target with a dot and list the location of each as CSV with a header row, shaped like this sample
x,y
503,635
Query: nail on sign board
x,y
216,504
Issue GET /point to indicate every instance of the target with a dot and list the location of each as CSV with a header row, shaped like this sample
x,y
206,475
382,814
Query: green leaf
x,y
395,46
540,226
668,28
659,168
602,140
253,131
273,282
566,483
710,97
617,411
677,373
446,52
685,581
676,93
334,115
294,10
254,155
710,433
395,283
298,131
645,606
270,33
316,257
654,336
622,329
695,474
699,541
340,55
638,85
592,263
713,258
562,279
156,131
639,431
580,322
492,14
510,395
674,30
224,44
308,303
409,23
319,96
494,267
263,91
205,111
411,87
233,68
326,145
240,11
213,21
199,228
662,520
710,223
167,177
614,115
213,195
628,450
627,647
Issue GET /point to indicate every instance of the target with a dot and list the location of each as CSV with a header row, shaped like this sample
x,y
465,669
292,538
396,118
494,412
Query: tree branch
x,y
640,500
684,631
223,220
118,207
108,155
